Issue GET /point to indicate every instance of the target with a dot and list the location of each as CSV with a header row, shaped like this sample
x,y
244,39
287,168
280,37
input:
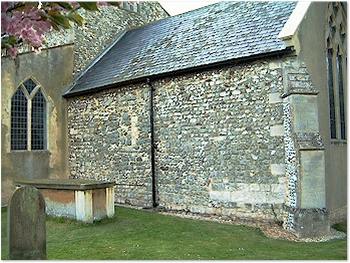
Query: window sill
x,y
32,151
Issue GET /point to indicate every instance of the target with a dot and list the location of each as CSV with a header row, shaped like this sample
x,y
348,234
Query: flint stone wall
x,y
218,134
109,139
217,150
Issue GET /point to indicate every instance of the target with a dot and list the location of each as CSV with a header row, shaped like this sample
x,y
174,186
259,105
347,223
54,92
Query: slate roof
x,y
212,34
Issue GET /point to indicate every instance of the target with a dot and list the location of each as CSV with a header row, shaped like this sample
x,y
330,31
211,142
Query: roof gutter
x,y
229,62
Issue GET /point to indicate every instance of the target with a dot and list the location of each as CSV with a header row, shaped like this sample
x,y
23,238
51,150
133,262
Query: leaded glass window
x,y
341,97
29,85
28,117
331,94
38,121
336,66
19,121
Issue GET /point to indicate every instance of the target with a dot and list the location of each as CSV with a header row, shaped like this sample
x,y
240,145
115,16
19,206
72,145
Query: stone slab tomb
x,y
83,200
27,229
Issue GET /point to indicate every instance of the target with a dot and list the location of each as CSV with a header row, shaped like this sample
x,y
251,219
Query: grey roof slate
x,y
215,33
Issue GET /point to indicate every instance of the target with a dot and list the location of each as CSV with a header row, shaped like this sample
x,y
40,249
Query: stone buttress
x,y
305,205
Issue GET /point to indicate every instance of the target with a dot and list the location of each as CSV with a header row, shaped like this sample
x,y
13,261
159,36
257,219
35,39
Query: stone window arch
x,y
336,68
29,117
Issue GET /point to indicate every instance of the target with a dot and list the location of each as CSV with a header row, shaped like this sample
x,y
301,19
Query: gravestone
x,y
27,229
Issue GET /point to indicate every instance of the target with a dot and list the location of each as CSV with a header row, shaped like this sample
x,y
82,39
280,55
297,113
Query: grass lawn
x,y
135,234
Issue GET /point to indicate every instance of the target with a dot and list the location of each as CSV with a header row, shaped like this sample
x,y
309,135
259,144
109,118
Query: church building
x,y
235,109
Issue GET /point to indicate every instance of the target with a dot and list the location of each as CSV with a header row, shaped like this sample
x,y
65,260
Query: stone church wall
x,y
219,138
109,139
218,134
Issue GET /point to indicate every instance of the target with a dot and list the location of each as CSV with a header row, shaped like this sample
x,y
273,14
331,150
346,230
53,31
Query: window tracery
x,y
336,67
28,117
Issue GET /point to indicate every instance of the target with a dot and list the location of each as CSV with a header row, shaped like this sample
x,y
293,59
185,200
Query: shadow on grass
x,y
342,226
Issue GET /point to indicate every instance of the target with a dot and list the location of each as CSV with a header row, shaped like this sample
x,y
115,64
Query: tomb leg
x,y
110,201
83,206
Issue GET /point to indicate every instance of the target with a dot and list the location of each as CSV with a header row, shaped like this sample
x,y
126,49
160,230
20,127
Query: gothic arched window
x,y
28,117
336,67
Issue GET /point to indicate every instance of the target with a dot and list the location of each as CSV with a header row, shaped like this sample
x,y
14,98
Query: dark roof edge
x,y
163,9
233,61
95,60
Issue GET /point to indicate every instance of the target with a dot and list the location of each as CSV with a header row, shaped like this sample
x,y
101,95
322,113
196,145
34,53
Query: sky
x,y
175,7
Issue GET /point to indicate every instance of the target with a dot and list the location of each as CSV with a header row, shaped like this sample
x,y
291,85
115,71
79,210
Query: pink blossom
x,y
4,22
28,25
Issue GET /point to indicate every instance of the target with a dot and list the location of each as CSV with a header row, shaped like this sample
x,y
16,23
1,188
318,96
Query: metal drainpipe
x,y
153,165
